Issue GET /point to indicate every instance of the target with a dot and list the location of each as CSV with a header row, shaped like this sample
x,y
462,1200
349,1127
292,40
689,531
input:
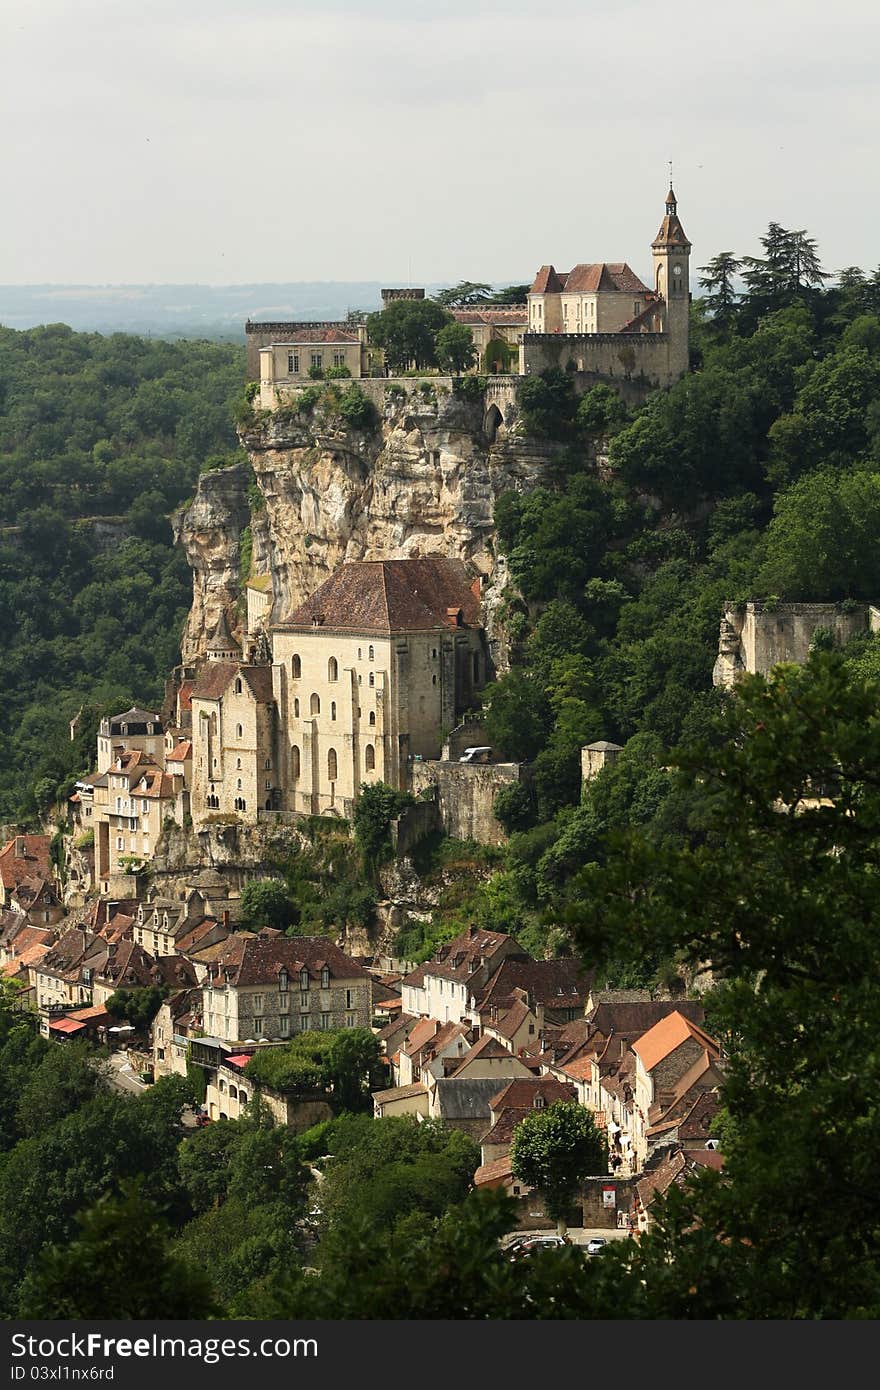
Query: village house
x,y
673,1050
448,986
24,859
178,1018
497,331
511,1105
132,801
271,988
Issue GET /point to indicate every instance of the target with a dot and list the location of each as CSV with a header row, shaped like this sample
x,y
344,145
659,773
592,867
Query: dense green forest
x,y
91,427
756,476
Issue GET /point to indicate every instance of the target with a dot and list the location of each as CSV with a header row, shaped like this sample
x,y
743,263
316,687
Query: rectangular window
x,y
258,1025
339,359
317,359
305,1023
348,998
284,1003
284,1026
120,843
349,1020
257,1001
325,1021
304,999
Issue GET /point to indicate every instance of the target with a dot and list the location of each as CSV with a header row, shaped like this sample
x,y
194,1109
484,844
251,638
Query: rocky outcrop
x,y
209,529
424,481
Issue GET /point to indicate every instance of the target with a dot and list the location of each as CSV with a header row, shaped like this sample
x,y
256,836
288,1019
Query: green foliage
x,y
377,806
821,543
336,373
778,901
267,902
454,345
137,1006
356,409
117,1265
245,556
90,426
345,1063
554,1149
548,404
407,329
464,294
498,356
600,410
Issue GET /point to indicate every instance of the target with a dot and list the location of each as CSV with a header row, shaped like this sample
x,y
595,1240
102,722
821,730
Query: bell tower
x,y
671,251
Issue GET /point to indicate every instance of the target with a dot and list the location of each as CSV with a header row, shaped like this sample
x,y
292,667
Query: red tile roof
x,y
666,1036
66,1025
546,281
180,753
604,278
388,596
22,857
504,318
252,960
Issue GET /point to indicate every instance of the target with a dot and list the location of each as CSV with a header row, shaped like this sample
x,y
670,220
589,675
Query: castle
x,y
598,320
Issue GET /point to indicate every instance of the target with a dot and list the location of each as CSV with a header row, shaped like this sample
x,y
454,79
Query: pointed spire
x,y
671,201
671,231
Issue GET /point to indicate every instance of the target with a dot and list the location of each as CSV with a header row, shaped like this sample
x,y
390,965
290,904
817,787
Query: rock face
x,y
423,482
210,531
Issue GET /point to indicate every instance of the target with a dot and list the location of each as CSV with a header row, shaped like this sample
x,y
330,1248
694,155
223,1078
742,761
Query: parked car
x,y
596,1244
533,1243
476,755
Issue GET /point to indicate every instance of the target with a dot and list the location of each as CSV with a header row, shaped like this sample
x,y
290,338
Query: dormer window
x,y
325,977
304,979
539,1102
283,981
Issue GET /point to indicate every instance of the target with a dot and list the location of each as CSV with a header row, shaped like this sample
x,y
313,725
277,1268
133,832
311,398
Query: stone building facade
x,y
755,637
271,989
602,318
366,677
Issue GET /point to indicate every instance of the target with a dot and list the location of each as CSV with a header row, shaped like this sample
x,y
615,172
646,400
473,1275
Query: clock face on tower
x,y
676,270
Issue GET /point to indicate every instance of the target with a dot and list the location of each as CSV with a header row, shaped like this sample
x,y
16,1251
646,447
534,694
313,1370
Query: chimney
x,y
226,918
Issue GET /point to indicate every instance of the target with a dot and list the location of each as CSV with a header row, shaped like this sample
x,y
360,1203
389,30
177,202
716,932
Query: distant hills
x,y
182,311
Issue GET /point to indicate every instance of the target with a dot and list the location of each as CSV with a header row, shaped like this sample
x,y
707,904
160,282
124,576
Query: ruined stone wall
x,y
756,636
465,794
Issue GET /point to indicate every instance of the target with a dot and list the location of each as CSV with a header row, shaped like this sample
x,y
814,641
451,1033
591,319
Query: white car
x,y
596,1244
476,755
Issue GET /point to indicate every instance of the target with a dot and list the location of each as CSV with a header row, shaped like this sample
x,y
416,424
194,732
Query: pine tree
x,y
717,278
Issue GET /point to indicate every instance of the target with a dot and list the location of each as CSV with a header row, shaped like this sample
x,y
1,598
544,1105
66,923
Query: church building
x,y
366,675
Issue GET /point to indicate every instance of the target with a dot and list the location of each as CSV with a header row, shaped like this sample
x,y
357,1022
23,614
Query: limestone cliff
x,y
423,481
210,530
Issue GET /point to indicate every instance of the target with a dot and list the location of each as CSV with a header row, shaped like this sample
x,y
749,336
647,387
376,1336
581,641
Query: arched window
x,y
238,784
371,653
294,761
233,1092
268,764
372,679
333,669
237,766
242,1097
331,765
221,1085
332,709
296,709
295,667
372,717
239,731
369,757
238,686
315,705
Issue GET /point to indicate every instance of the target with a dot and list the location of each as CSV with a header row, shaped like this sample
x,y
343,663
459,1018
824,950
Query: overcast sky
x,y
201,140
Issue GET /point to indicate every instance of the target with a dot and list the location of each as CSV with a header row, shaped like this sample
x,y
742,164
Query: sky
x,y
151,141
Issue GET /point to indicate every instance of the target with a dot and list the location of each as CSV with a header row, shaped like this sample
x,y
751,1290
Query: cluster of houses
x,y
483,1034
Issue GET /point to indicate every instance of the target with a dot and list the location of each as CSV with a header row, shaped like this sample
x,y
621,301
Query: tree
x,y
717,279
376,807
354,1068
407,330
266,902
821,543
465,293
512,294
553,1150
118,1265
137,1006
779,901
455,348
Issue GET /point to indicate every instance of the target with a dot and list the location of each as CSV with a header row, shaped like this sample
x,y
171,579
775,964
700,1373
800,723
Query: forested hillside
x,y
94,427
757,476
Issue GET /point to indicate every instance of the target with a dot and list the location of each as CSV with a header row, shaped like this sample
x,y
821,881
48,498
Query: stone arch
x,y
492,420
369,757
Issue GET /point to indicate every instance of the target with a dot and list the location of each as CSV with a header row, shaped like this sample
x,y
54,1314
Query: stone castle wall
x,y
465,793
641,361
755,637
